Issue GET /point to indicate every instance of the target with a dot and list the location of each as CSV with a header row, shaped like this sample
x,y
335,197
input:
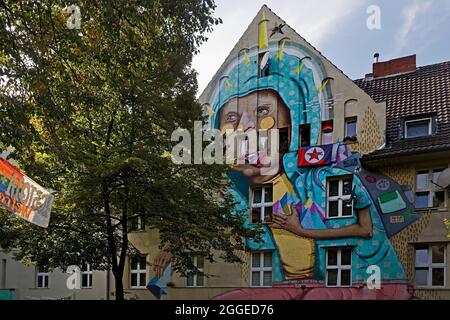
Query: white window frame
x,y
339,267
340,197
196,274
431,189
89,274
261,269
348,120
43,275
430,126
138,272
140,223
263,205
430,265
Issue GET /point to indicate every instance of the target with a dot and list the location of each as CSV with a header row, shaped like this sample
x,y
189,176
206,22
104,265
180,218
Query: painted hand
x,y
362,229
288,222
160,263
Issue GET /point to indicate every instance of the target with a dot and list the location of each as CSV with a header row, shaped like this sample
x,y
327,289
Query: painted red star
x,y
314,155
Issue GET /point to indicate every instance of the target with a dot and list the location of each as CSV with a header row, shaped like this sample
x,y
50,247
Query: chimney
x,y
376,57
395,66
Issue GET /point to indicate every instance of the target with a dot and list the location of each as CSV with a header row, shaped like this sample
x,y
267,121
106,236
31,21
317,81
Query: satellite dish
x,y
264,60
444,178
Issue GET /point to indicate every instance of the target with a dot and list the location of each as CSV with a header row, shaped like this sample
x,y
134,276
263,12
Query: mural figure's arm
x,y
362,229
160,262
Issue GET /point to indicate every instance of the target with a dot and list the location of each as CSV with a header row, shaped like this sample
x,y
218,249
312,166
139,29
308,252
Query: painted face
x,y
262,110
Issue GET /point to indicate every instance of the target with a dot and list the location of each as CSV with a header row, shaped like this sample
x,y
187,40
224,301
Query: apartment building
x,y
29,282
397,118
360,161
273,78
417,152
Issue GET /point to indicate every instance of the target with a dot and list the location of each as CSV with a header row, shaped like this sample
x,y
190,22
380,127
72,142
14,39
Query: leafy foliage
x,y
90,113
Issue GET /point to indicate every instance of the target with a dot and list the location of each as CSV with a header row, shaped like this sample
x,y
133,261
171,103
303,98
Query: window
x,y
261,269
264,64
244,147
350,128
41,278
263,140
339,197
305,135
262,204
86,276
327,132
247,146
137,224
196,278
138,271
430,265
428,194
339,267
283,137
418,128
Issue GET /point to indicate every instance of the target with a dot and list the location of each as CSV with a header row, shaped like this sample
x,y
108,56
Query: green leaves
x,y
90,113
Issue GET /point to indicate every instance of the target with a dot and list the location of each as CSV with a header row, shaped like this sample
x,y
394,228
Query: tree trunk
x,y
120,296
117,270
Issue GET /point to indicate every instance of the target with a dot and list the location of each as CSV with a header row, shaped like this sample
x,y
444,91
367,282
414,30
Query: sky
x,y
338,29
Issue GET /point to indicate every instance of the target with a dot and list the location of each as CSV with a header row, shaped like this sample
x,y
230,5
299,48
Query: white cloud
x,y
410,15
314,20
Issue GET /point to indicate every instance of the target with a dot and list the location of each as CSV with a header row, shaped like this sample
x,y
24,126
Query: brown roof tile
x,y
424,91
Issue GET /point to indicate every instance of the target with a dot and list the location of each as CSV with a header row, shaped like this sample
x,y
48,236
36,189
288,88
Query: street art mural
x,y
22,196
327,220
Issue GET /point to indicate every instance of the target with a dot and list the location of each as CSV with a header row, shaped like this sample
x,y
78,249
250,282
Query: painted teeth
x,y
253,157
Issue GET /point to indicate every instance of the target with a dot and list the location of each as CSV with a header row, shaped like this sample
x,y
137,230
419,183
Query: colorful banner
x,y
22,196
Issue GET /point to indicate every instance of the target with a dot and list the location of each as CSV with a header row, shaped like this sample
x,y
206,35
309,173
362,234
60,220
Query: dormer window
x,y
418,127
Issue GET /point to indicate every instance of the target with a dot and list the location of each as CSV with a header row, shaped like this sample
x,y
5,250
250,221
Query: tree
x,y
90,112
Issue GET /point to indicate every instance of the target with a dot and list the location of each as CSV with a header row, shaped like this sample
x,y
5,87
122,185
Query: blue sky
x,y
338,29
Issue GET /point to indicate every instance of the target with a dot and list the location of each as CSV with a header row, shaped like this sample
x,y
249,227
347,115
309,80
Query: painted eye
x,y
231,117
262,111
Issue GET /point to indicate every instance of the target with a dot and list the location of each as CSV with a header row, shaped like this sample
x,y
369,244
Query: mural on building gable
x,y
321,208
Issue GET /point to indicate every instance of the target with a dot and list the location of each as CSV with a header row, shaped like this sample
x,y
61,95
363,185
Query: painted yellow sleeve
x,y
296,253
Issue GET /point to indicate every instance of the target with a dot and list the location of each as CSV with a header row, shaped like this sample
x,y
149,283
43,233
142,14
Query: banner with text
x,y
24,197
